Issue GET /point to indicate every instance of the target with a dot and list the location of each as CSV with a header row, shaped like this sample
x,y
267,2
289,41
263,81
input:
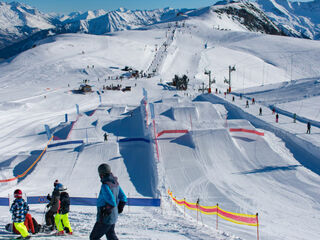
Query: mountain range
x,y
21,26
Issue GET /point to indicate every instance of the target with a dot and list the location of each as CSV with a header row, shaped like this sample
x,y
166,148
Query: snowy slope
x,y
244,173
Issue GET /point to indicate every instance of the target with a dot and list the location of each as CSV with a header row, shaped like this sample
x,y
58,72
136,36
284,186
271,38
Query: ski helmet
x,y
17,194
55,183
104,169
60,187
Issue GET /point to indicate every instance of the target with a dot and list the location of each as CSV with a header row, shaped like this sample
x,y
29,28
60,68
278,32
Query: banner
x,y
85,201
78,111
48,131
145,94
152,110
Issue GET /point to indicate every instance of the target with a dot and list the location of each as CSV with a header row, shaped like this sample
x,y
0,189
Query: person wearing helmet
x,y
110,203
54,185
62,217
53,207
19,208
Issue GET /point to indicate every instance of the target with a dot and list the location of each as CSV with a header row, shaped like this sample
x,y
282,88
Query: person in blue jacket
x,y
110,203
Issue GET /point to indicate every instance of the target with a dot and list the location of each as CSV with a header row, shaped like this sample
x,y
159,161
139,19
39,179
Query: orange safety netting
x,y
238,218
172,131
32,165
246,130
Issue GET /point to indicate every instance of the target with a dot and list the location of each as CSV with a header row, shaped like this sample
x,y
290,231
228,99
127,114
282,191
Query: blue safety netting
x,y
4,201
142,202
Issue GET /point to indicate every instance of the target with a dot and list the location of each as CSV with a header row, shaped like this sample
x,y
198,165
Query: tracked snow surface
x,y
275,175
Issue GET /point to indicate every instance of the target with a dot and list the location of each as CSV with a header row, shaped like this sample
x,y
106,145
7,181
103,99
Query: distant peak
x,y
122,9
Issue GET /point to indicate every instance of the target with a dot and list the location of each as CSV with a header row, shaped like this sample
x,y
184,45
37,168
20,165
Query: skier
x,y
308,128
232,98
294,117
105,135
273,110
253,101
62,217
110,203
53,207
19,209
260,111
277,118
247,104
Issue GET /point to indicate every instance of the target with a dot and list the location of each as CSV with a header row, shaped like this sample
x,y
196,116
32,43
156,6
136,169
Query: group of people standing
x,y
57,216
110,204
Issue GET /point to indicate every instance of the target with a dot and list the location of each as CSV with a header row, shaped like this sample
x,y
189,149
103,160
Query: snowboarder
x,y
240,96
253,101
105,135
19,208
308,128
260,111
294,117
273,110
110,203
247,104
53,207
30,223
62,217
277,118
232,98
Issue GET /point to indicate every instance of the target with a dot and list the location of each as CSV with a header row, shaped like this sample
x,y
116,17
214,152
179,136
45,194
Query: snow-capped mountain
x,y
19,21
237,16
121,19
22,26
300,19
77,16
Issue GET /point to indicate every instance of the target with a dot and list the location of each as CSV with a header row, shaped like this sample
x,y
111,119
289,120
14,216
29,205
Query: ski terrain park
x,y
190,150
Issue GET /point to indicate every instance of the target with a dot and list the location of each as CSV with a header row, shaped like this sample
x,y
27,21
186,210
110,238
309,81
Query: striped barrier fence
x,y
65,143
238,218
172,131
30,167
246,131
85,201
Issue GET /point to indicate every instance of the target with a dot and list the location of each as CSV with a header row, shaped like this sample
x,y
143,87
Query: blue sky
x,y
67,6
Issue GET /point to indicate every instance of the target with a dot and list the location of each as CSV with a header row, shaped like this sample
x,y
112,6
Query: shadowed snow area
x,y
200,159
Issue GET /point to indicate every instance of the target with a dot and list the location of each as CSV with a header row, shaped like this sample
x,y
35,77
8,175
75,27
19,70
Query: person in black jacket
x,y
53,207
308,128
62,217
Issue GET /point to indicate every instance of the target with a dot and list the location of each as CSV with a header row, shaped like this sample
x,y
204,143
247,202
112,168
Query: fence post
x,y
184,207
128,203
198,210
217,216
257,226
